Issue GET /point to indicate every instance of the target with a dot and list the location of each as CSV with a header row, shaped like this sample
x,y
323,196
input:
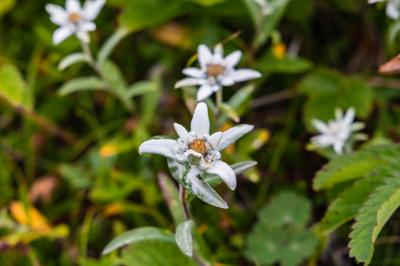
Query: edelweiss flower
x,y
198,149
74,19
392,7
336,132
215,71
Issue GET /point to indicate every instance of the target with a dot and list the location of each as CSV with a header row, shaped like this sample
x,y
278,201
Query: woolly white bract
x,y
198,150
215,71
74,19
392,7
336,132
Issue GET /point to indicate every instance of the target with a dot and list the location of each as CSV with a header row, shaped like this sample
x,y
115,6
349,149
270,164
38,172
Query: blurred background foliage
x,y
71,178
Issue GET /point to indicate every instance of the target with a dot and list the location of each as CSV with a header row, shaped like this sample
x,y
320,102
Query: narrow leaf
x,y
141,87
82,84
184,238
138,235
72,59
110,44
171,196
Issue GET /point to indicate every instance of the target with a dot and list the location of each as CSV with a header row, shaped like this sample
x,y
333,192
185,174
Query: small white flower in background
x,y
197,148
266,8
392,7
336,132
215,71
74,19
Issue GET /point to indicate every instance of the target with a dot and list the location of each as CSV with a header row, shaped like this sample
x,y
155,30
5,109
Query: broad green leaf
x,y
349,167
83,84
155,253
141,87
184,237
72,59
171,196
139,235
371,218
140,14
280,234
110,45
13,88
347,203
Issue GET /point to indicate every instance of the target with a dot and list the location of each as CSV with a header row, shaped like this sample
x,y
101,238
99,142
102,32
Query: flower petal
x,y
319,125
349,116
200,123
338,146
61,34
193,72
204,92
392,10
164,147
204,55
214,139
226,80
73,6
181,131
225,172
87,26
91,8
187,82
83,36
57,14
233,134
245,74
218,53
233,59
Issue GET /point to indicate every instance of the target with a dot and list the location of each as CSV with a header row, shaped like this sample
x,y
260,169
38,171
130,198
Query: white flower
x,y
74,19
215,71
336,132
392,7
266,8
197,149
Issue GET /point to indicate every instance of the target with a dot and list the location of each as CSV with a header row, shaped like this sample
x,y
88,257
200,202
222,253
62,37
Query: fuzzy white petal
x,y
57,14
61,34
214,139
218,53
233,134
227,80
392,10
319,125
349,116
164,147
87,26
92,8
73,6
181,131
193,72
338,147
233,59
204,55
83,36
225,172
204,92
200,123
187,82
245,74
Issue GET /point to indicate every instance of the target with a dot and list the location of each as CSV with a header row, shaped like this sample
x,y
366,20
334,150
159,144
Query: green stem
x,y
219,96
92,62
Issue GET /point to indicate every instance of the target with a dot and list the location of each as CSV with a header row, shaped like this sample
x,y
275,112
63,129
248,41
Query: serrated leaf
x,y
184,238
83,84
139,235
13,88
72,59
371,218
110,44
347,203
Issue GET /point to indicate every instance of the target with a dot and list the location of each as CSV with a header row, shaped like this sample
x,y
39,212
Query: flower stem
x,y
219,96
92,62
186,211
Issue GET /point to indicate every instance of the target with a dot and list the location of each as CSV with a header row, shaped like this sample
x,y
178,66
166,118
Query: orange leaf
x,y
29,216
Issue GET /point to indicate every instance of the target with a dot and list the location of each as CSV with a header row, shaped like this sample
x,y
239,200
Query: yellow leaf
x,y
30,217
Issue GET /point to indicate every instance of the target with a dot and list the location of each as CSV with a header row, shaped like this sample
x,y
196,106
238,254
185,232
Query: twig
x,y
273,98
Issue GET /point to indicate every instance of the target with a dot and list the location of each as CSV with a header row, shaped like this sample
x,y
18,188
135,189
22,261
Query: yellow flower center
x,y
74,17
199,146
214,70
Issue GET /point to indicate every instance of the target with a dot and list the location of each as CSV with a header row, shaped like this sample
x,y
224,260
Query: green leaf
x,y
171,196
184,238
347,203
76,176
349,167
139,235
110,45
371,218
13,88
141,14
280,234
73,59
141,87
239,102
83,84
6,5
208,2
287,65
155,253
229,112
